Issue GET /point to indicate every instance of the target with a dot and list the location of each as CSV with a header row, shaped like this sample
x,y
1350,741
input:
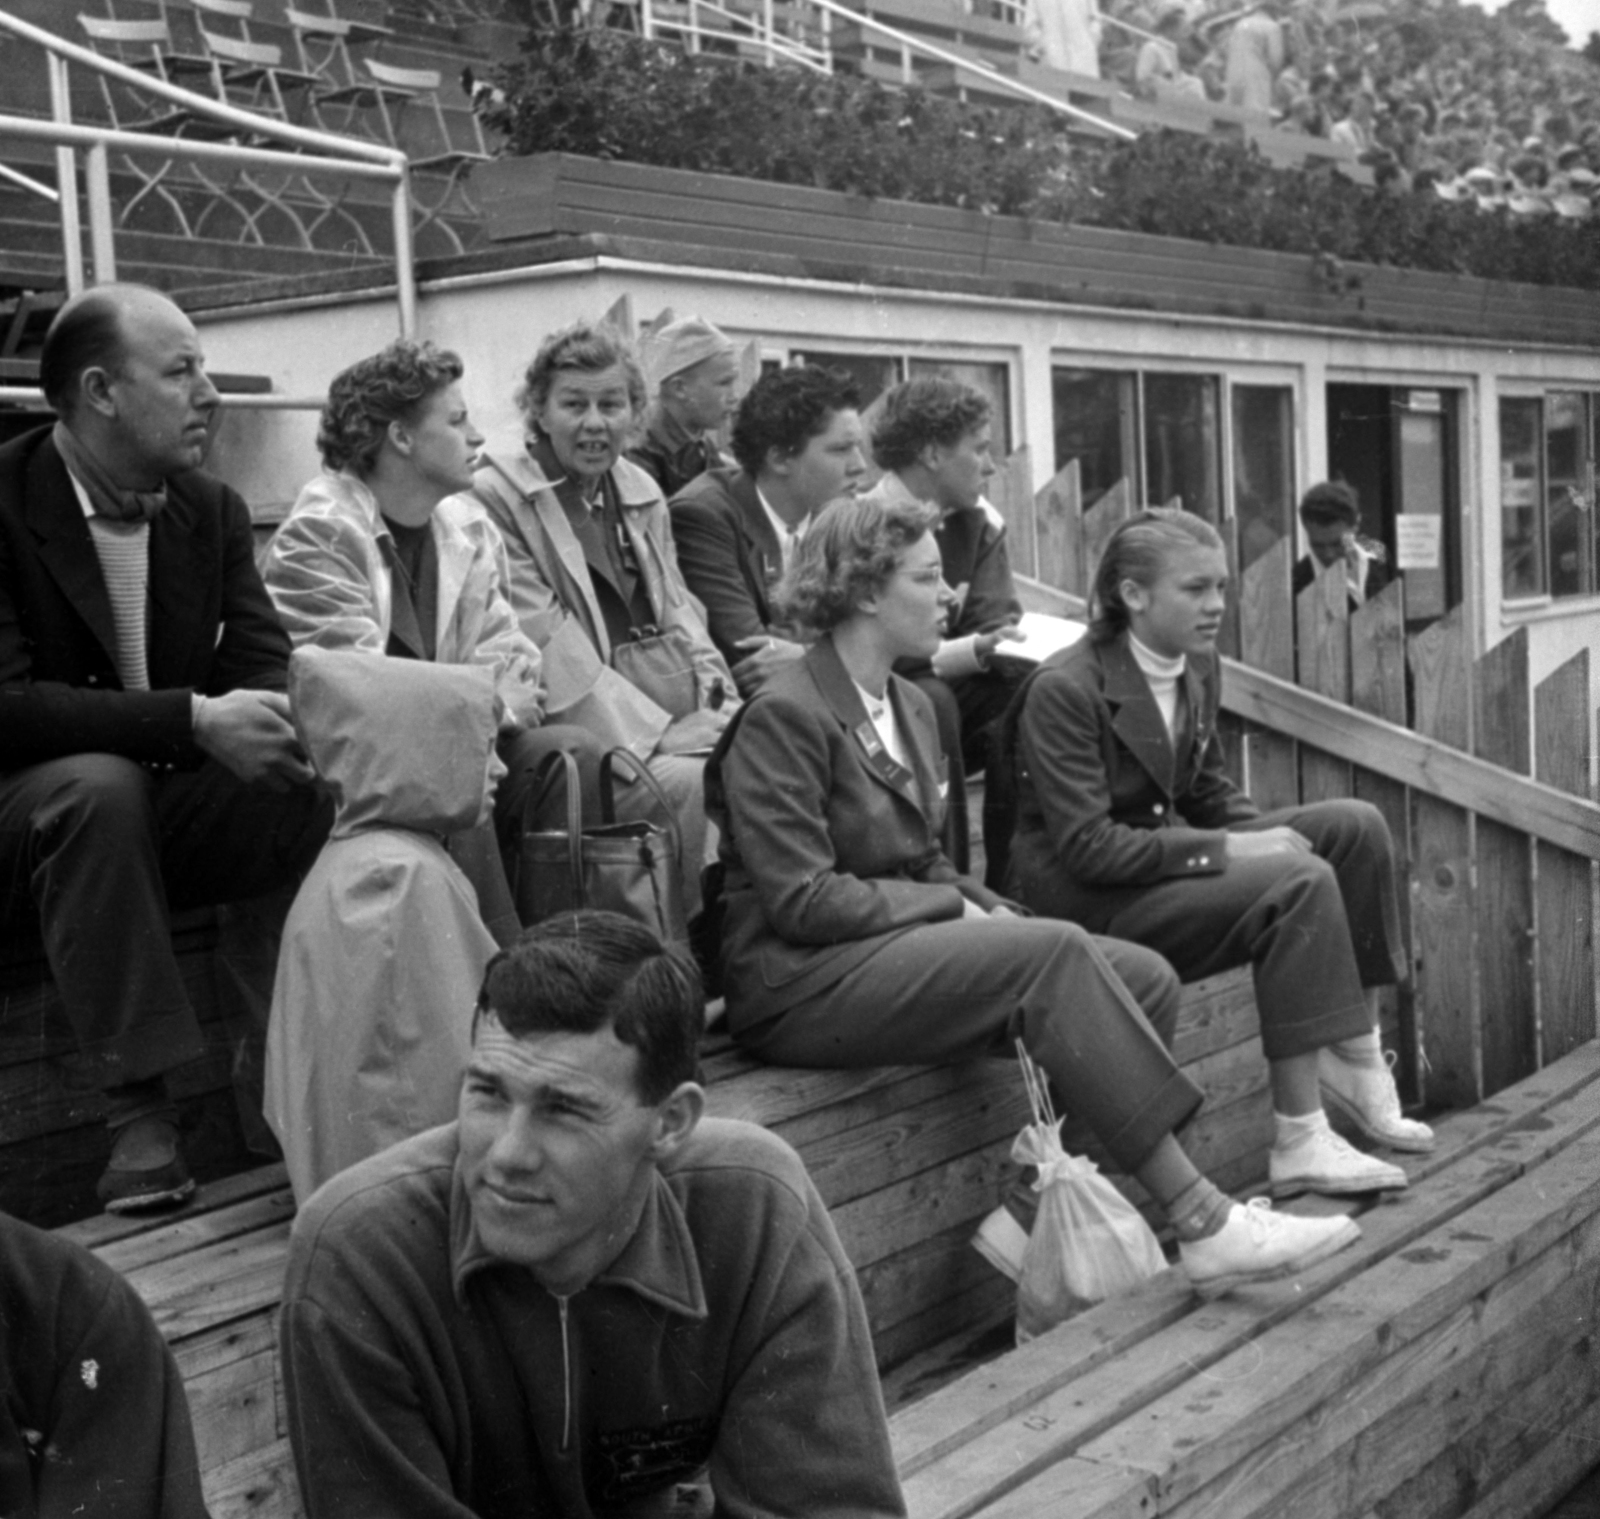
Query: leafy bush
x,y
610,94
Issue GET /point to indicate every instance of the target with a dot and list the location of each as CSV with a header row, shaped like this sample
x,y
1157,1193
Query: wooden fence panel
x,y
1058,514
1564,952
1322,646
1503,900
1378,686
1011,493
1099,523
1442,850
1266,637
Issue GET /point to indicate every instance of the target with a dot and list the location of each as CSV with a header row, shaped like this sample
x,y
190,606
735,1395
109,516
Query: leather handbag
x,y
625,867
660,662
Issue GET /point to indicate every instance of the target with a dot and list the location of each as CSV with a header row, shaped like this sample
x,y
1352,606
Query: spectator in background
x,y
1355,130
691,366
380,554
798,441
147,760
1065,34
94,1418
1331,514
1255,54
1157,69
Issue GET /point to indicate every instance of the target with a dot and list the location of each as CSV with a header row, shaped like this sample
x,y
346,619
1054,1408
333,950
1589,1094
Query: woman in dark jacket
x,y
1128,824
850,940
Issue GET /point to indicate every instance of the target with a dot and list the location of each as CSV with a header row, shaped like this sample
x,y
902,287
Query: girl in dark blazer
x,y
1128,824
850,940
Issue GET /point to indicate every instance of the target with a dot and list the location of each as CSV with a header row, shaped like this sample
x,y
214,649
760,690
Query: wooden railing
x,y
1499,849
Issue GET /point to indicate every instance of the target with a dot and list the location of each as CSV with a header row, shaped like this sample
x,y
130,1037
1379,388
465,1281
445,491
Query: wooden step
x,y
1346,1391
908,1158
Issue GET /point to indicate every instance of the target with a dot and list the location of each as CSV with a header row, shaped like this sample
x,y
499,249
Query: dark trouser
x,y
1096,1014
102,850
1316,929
967,707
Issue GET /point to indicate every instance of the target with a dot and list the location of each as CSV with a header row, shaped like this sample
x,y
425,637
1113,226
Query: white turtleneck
x,y
1163,674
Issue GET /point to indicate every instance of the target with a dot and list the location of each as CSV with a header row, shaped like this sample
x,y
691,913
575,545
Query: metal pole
x,y
766,21
405,269
102,240
66,176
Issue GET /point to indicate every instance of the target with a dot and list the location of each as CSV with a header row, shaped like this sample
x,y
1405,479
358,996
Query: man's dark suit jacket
x,y
1307,568
828,844
212,627
729,555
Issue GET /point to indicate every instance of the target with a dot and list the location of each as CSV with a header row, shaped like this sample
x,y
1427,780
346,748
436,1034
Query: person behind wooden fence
x,y
1128,823
582,1297
850,940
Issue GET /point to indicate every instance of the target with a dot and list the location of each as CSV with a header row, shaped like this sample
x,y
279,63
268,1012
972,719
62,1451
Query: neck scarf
x,y
107,498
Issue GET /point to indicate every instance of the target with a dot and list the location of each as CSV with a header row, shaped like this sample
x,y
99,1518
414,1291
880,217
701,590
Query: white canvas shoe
x,y
1366,1095
1324,1162
1258,1245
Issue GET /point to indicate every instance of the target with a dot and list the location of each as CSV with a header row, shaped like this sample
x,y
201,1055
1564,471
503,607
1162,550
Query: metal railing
x,y
763,33
333,155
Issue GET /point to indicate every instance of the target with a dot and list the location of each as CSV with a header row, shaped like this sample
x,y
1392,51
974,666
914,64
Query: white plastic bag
x,y
1088,1243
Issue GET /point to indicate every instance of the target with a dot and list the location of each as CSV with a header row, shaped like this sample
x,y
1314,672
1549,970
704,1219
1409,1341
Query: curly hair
x,y
391,386
786,408
588,347
930,409
848,554
1137,551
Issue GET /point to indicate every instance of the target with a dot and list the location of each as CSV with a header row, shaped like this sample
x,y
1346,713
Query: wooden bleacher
x,y
907,1158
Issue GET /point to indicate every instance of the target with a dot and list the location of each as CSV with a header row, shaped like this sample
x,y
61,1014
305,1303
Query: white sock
x,y
1288,1132
1364,1049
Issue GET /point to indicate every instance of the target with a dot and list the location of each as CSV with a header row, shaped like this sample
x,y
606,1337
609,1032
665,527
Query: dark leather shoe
x,y
147,1169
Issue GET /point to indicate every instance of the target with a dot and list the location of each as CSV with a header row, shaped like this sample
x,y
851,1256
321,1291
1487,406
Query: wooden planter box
x,y
718,221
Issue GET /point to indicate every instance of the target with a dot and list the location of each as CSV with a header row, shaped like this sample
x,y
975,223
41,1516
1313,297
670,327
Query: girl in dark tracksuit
x,y
1128,825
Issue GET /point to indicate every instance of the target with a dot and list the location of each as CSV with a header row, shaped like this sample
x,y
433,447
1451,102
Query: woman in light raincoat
x,y
384,947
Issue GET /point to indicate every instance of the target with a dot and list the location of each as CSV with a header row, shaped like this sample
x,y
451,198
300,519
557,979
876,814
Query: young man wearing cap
x,y
691,366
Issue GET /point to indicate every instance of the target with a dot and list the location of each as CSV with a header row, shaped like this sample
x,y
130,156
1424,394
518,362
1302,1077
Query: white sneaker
x,y
1325,1162
1001,1241
1258,1245
1366,1095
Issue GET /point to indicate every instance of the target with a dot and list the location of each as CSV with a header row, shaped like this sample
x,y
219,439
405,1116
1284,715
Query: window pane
x,y
1263,467
992,379
1182,443
1522,568
1095,424
873,372
1566,493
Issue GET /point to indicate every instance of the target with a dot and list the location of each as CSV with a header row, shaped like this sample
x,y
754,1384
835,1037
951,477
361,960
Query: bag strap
x,y
564,758
651,784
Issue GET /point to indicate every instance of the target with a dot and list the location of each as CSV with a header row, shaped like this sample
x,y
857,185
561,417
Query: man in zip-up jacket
x,y
581,1298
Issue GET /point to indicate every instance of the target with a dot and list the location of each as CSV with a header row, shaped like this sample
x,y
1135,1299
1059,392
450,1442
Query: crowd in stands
x,y
1432,96
526,1268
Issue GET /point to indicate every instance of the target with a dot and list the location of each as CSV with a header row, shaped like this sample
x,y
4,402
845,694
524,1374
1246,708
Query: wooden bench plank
x,y
1158,1341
